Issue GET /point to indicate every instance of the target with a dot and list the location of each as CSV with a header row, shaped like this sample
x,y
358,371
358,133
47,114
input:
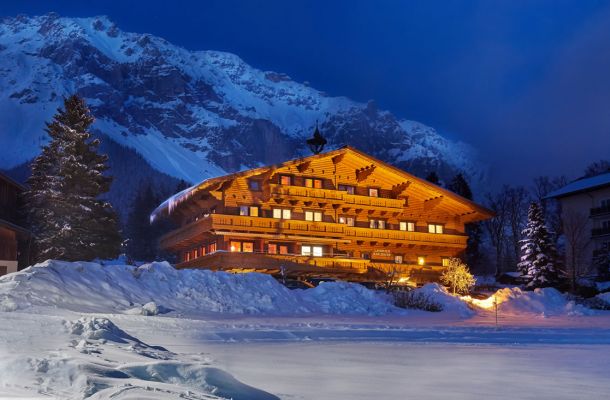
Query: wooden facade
x,y
13,238
341,214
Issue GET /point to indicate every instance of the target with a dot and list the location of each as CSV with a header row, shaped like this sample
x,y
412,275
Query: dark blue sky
x,y
525,82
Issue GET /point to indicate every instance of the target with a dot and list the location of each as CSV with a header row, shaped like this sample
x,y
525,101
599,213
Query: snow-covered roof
x,y
582,185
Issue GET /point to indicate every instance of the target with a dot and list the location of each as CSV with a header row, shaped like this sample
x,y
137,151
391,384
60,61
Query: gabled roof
x,y
11,181
168,205
582,185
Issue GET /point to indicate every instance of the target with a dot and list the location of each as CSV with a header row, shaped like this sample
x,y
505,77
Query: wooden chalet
x,y
14,239
340,214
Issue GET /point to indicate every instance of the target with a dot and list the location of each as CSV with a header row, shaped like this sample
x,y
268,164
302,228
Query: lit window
x,y
202,251
254,211
435,228
254,185
421,260
281,213
195,253
247,247
212,247
346,220
313,216
317,251
283,249
347,188
313,183
272,248
407,226
306,250
377,224
285,180
373,192
235,246
398,259
243,210
445,261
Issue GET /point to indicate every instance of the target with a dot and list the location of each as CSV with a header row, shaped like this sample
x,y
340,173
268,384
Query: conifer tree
x,y
460,186
142,236
433,178
538,256
67,216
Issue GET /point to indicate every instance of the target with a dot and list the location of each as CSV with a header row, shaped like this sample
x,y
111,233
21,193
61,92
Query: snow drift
x,y
545,301
159,288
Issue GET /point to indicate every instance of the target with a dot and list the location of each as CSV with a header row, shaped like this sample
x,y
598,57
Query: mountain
x,y
189,114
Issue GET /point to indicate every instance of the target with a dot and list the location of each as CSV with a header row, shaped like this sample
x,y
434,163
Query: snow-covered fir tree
x,y
67,216
538,255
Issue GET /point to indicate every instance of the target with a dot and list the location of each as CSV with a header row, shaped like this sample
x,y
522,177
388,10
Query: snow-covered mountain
x,y
189,114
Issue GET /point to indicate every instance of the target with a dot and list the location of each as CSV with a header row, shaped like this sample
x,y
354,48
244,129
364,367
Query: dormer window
x,y
373,192
285,180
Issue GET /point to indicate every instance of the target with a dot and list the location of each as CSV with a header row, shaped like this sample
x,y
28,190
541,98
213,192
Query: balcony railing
x,y
246,224
335,195
600,211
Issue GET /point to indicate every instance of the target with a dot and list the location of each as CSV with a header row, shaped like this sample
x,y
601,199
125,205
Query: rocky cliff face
x,y
189,114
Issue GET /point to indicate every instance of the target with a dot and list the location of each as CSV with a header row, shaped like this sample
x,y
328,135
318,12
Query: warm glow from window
x,y
306,250
421,260
313,183
285,180
373,192
445,262
283,249
235,246
317,251
435,228
253,211
272,248
248,247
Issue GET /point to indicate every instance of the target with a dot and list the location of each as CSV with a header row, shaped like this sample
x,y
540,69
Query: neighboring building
x,y
340,214
585,213
13,238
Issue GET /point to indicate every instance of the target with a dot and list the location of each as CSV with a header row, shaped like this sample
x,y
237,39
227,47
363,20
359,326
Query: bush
x,y
458,277
416,300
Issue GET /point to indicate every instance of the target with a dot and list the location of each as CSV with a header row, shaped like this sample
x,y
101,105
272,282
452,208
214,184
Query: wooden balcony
x,y
278,229
335,196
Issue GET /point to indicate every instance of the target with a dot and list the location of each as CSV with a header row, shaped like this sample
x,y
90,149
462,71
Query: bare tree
x,y
496,227
577,235
517,200
551,208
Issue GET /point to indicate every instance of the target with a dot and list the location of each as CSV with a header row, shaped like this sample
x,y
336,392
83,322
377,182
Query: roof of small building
x,y
10,180
582,185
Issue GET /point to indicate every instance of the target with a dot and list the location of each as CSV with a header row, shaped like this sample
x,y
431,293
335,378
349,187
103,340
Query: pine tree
x,y
538,252
142,237
460,186
69,220
433,178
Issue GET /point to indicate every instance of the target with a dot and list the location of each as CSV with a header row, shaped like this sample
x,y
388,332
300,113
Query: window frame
x,y
435,228
282,213
289,177
313,183
421,260
376,190
350,189
315,214
346,219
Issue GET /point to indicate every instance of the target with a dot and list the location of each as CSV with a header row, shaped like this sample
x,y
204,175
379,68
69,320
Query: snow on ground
x,y
83,330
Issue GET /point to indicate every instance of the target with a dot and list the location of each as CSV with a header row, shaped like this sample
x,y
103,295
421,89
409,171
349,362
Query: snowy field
x,y
75,331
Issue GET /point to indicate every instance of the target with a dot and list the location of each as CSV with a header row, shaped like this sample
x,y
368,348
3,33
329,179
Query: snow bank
x,y
605,297
446,300
156,288
348,298
546,302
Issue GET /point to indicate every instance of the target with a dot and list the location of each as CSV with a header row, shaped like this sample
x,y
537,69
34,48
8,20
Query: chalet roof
x,y
582,185
168,205
11,181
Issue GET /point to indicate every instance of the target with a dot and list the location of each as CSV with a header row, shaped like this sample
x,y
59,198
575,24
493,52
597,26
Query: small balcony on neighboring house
x,y
600,211
603,231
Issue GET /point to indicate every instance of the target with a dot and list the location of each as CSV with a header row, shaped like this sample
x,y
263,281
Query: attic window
x,y
255,185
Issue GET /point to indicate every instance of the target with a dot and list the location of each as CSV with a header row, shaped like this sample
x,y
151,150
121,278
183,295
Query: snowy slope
x,y
190,114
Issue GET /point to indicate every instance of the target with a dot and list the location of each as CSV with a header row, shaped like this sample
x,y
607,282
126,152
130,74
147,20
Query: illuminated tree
x,y
458,277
